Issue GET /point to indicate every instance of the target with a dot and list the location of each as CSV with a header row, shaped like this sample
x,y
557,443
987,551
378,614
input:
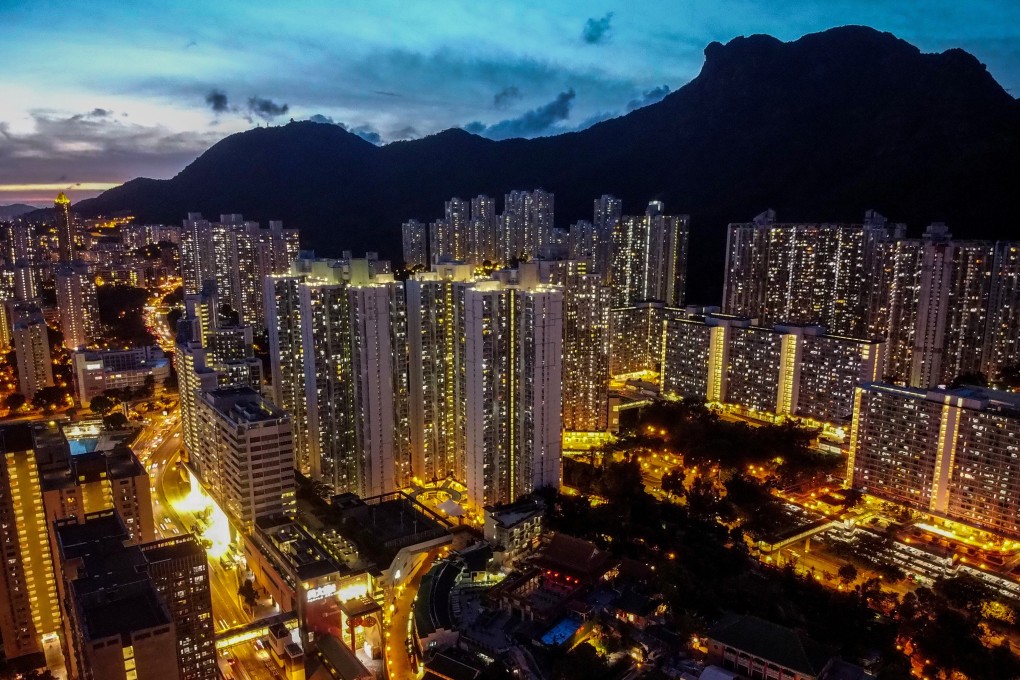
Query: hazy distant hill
x,y
823,127
15,210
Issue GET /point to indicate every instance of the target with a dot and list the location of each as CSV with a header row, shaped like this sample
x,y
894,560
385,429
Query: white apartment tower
x,y
31,344
246,454
79,308
649,260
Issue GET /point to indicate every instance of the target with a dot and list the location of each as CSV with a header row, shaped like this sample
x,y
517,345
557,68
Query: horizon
x,y
118,108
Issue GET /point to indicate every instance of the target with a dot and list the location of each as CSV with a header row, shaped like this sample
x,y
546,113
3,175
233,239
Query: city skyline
x,y
155,98
480,405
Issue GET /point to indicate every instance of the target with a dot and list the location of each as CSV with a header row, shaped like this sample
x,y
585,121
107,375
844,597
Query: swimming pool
x,y
82,445
562,631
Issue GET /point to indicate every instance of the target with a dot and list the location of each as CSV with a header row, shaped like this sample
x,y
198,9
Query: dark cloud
x,y
367,133
266,109
649,97
217,101
597,31
529,124
95,148
506,96
100,113
406,132
386,93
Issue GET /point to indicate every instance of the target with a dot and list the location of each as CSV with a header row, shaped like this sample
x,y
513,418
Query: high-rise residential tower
x,y
803,273
245,456
649,260
31,342
78,304
65,228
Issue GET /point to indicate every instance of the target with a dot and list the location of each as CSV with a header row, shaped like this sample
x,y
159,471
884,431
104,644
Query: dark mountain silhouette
x,y
821,128
16,210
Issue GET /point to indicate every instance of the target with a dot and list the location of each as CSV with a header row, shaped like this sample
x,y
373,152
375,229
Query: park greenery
x,y
700,542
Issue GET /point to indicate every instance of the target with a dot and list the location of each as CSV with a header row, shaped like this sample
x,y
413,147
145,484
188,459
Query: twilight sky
x,y
95,93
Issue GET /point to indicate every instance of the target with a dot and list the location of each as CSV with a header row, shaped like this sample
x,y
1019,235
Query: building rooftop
x,y
16,438
86,468
432,606
341,660
173,548
508,516
110,605
297,547
445,667
380,526
778,644
574,555
243,405
967,396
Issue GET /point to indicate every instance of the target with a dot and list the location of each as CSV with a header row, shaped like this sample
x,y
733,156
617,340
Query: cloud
x,y
266,109
217,101
648,97
95,147
529,124
325,120
406,132
506,96
367,133
597,31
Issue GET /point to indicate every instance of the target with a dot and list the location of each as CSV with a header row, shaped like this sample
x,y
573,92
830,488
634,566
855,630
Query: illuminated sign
x,y
320,593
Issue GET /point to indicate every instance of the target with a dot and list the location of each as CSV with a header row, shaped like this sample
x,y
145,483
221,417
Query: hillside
x,y
823,127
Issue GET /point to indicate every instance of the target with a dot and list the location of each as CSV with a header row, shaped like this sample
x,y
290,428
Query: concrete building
x,y
586,305
78,304
66,246
96,371
379,359
803,273
607,213
237,256
784,370
31,343
339,362
947,307
415,239
485,373
434,310
245,455
513,378
636,339
74,484
649,260
117,624
29,607
209,355
178,568
948,453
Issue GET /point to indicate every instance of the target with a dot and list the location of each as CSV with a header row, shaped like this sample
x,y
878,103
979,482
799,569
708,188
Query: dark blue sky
x,y
103,92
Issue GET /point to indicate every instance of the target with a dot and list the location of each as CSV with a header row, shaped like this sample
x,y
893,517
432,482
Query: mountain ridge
x,y
819,128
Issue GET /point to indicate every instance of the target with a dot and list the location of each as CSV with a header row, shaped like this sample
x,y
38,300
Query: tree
x,y
148,387
102,404
14,401
963,592
170,382
970,378
247,591
115,421
1009,377
49,398
673,482
847,574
